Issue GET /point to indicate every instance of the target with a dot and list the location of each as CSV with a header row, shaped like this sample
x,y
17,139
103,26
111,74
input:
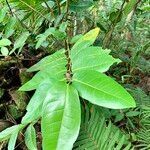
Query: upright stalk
x,y
68,65
67,52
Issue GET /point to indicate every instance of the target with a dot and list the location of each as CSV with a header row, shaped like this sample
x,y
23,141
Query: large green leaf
x,y
34,107
60,118
102,90
51,73
54,60
52,67
93,58
84,42
30,138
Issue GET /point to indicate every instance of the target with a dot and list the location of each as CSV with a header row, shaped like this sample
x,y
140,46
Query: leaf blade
x,y
60,123
12,140
34,107
93,58
30,138
101,90
84,42
56,58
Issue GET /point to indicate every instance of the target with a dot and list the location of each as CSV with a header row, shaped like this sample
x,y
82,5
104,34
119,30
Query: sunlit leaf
x,y
4,42
30,138
101,90
4,51
93,58
60,118
84,42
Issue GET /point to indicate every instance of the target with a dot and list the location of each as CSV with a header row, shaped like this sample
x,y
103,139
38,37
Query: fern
x,y
97,134
144,133
144,139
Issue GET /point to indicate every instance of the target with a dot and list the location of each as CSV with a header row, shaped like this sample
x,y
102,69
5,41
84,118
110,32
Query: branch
x,y
59,7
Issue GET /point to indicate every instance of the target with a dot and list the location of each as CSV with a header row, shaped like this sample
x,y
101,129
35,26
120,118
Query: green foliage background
x,y
30,30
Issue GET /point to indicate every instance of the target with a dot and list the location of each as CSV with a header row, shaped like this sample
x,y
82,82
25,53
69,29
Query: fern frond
x,y
97,134
144,133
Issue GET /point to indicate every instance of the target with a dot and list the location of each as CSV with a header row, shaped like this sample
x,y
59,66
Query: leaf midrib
x,y
101,90
66,96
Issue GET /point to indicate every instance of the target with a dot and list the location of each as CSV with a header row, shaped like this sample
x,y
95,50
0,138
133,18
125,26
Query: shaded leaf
x,y
81,5
132,113
129,6
20,42
4,42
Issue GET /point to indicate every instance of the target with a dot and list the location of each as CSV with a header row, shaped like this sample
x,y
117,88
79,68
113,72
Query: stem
x,y
50,9
59,7
68,66
9,8
108,37
67,52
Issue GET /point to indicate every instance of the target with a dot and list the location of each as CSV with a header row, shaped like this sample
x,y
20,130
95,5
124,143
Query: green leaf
x,y
9,28
63,27
54,60
34,107
129,6
4,135
52,73
60,118
2,14
80,5
20,42
132,113
101,90
4,42
12,140
76,38
119,117
30,138
42,37
52,67
4,51
34,82
93,58
84,42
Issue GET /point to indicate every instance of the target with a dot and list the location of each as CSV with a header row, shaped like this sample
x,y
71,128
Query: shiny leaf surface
x,y
34,107
93,58
54,60
30,138
60,118
84,42
101,90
